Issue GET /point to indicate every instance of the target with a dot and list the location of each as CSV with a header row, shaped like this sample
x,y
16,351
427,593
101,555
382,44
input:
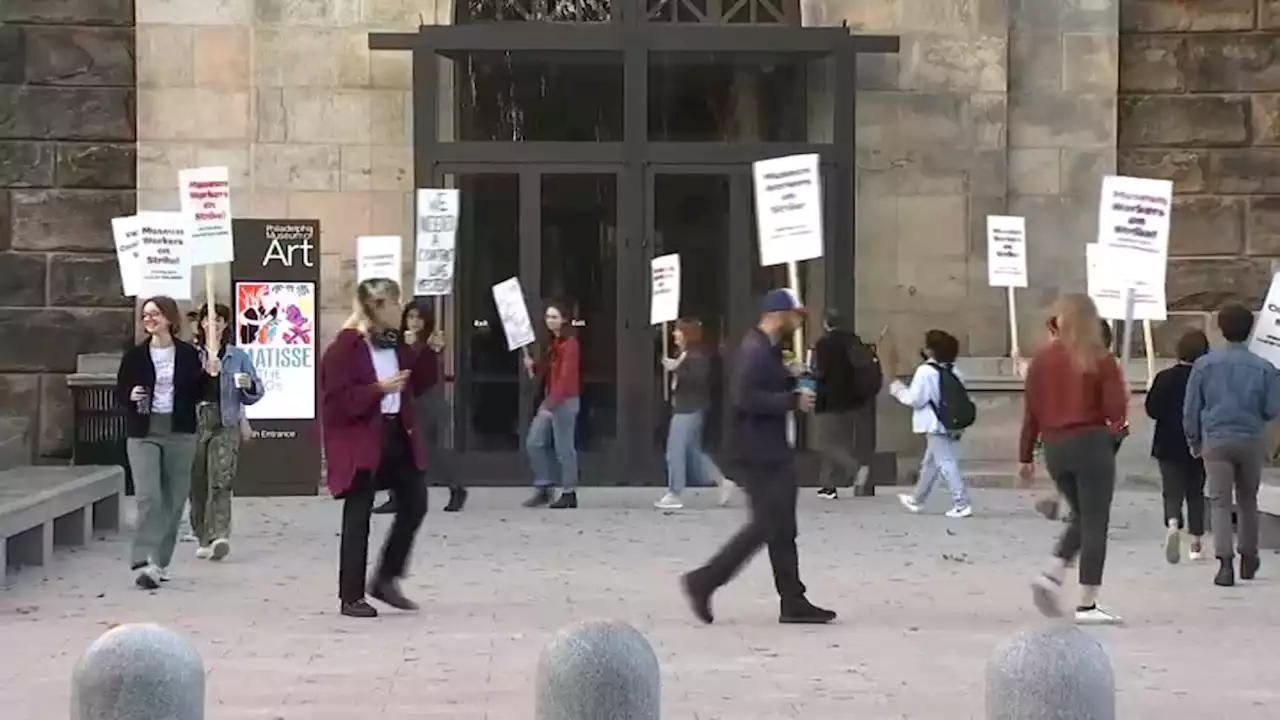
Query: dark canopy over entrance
x,y
589,136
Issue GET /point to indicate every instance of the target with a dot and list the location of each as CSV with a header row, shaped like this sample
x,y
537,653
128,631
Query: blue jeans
x,y
551,442
940,459
685,456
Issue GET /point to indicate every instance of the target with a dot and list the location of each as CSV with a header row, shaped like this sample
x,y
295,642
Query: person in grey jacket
x,y
218,435
690,400
1231,396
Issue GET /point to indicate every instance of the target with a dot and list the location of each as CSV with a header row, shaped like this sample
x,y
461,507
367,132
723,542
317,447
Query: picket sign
x,y
379,256
1265,341
1007,264
508,297
205,199
664,304
1133,225
164,254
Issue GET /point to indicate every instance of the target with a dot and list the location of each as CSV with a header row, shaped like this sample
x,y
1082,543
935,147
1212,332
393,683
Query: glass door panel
x,y
578,256
487,405
690,216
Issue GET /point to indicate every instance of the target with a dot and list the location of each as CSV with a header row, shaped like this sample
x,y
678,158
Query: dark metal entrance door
x,y
556,228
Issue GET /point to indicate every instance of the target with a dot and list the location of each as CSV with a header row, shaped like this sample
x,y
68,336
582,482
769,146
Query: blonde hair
x,y
369,293
1080,330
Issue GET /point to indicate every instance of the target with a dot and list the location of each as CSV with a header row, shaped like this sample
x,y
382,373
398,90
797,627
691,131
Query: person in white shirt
x,y
924,397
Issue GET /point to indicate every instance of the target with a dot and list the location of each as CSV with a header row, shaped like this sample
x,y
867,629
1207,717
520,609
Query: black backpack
x,y
868,377
956,411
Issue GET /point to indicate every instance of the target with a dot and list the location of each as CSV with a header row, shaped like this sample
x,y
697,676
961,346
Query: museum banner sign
x,y
276,284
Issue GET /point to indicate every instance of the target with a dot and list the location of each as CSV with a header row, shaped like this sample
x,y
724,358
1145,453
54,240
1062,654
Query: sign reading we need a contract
x,y
788,193
1265,342
206,202
435,242
1006,251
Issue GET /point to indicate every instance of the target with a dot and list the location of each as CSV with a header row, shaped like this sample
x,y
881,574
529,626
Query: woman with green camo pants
x,y
219,414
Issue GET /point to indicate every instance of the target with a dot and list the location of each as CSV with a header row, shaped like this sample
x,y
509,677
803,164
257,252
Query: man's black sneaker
x,y
1249,565
541,496
388,591
828,493
1226,576
803,612
457,499
359,609
699,599
566,501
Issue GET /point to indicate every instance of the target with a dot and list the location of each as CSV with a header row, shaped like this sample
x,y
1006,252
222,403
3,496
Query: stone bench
x,y
44,507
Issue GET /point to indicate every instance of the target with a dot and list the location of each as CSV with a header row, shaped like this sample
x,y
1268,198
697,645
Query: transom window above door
x,y
702,12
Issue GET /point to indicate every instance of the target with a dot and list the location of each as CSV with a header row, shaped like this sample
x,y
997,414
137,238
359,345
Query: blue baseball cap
x,y
781,300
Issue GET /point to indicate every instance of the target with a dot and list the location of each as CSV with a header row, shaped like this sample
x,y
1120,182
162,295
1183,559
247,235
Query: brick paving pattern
x,y
923,602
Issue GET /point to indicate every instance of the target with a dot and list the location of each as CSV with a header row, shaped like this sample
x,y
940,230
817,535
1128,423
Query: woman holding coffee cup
x,y
219,413
160,381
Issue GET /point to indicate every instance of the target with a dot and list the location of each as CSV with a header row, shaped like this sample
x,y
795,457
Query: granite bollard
x,y
1052,673
138,672
598,669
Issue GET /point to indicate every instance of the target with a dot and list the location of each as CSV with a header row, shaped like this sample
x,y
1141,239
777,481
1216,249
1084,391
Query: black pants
x,y
398,473
771,489
1183,481
432,419
834,433
1083,467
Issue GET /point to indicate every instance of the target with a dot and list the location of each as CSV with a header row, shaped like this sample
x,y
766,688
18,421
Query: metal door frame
x,y
495,467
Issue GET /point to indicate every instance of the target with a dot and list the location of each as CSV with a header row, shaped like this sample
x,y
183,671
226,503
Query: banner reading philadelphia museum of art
x,y
276,284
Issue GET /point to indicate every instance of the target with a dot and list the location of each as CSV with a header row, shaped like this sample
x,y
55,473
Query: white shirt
x,y
385,366
162,396
924,392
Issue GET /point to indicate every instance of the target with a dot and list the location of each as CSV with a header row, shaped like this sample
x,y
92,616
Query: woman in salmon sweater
x,y
1075,393
369,377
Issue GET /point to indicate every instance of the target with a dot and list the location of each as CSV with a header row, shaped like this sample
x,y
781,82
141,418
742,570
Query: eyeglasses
x,y
152,315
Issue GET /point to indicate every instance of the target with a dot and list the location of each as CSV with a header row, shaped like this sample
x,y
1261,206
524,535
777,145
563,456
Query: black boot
x,y
566,501
359,609
1249,565
1226,576
541,496
802,612
386,508
699,597
388,591
457,499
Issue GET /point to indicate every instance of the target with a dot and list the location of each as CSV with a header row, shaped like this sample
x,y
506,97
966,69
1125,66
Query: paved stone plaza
x,y
924,601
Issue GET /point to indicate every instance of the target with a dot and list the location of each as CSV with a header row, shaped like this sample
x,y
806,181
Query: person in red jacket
x,y
551,440
369,377
1075,394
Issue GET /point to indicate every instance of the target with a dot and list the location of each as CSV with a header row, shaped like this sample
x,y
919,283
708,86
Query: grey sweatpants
x,y
1234,465
834,441
161,465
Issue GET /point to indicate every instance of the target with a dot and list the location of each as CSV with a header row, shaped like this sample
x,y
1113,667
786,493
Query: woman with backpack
x,y
940,410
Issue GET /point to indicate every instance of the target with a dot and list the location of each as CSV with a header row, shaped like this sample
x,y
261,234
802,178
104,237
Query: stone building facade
x,y
67,166
991,106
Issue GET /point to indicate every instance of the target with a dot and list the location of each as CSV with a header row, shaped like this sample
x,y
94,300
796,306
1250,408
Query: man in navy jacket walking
x,y
762,393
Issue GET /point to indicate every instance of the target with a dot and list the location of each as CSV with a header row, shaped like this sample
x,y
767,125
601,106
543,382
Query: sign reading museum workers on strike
x,y
276,276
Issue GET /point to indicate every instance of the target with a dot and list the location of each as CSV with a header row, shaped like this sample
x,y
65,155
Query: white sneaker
x,y
220,548
727,489
1196,552
189,537
148,577
163,574
1097,616
1173,545
204,552
909,503
1044,593
960,512
670,501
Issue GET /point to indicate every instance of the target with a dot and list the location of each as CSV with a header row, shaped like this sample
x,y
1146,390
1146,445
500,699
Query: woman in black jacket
x,y
159,384
1181,474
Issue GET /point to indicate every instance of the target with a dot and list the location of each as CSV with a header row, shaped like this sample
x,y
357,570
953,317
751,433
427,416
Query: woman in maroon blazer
x,y
369,377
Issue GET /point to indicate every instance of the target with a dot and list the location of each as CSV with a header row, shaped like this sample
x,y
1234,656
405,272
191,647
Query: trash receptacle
x,y
98,424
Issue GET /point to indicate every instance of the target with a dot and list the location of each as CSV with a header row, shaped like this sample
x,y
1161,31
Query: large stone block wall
x,y
67,159
1200,105
286,94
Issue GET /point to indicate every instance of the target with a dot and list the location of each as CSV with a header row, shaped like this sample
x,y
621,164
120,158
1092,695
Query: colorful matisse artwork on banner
x,y
275,324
